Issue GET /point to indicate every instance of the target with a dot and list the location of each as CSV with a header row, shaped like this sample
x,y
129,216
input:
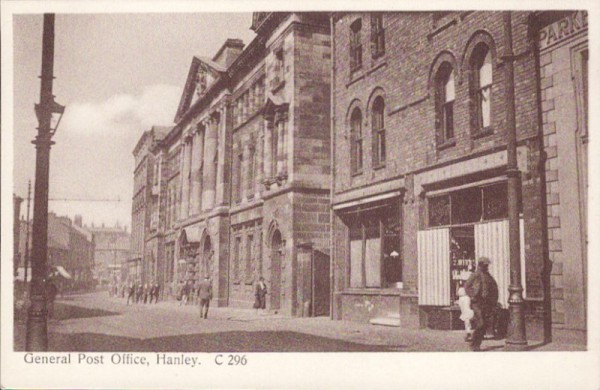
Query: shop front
x,y
462,225
373,259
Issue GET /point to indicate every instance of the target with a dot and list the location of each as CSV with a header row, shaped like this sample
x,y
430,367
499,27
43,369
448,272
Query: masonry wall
x,y
564,130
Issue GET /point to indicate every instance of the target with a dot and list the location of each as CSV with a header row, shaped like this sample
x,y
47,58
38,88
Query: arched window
x,y
445,94
481,88
378,124
356,141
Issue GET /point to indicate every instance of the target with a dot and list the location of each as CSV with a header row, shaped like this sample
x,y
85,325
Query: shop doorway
x,y
276,258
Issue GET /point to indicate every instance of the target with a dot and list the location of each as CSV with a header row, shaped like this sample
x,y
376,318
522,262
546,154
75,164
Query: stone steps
x,y
391,319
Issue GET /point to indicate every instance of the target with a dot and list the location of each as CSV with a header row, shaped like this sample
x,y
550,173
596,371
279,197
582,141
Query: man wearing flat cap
x,y
483,291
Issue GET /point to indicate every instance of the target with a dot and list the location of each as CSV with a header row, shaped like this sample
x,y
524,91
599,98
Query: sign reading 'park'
x,y
563,29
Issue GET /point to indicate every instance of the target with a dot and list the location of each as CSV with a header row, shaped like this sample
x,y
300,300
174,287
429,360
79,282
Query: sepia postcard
x,y
299,195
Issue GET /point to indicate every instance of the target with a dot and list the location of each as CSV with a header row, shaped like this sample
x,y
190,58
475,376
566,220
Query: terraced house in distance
x,y
419,169
250,194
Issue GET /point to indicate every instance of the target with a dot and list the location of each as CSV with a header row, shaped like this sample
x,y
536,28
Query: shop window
x,y
445,94
481,88
355,45
469,205
495,202
375,260
462,257
378,132
377,35
356,141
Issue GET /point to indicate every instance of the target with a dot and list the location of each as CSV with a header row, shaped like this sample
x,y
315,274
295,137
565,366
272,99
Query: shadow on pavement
x,y
235,341
67,312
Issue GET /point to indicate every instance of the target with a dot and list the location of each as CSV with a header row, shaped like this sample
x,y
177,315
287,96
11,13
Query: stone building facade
x,y
419,183
247,164
562,49
111,253
142,265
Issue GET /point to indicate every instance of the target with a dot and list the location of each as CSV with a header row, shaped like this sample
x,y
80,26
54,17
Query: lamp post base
x,y
37,326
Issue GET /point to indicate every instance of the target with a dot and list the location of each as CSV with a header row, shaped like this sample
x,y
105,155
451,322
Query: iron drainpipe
x,y
516,338
332,176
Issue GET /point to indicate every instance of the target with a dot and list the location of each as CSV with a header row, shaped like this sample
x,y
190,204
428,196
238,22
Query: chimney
x,y
230,50
78,220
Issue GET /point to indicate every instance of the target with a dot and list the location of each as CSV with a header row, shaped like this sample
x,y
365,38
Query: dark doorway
x,y
276,255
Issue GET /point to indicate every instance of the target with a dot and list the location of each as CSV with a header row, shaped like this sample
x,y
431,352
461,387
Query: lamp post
x,y
48,113
516,338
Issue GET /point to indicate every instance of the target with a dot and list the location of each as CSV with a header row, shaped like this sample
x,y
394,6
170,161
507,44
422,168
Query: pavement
x,y
95,322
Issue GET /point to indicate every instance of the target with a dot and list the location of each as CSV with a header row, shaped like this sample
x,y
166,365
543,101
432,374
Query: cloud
x,y
123,113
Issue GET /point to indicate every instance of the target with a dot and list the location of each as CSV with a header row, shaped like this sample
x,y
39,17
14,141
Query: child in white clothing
x,y
466,313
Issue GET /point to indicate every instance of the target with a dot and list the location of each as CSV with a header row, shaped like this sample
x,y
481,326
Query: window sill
x,y
379,166
378,55
446,144
357,173
371,291
482,133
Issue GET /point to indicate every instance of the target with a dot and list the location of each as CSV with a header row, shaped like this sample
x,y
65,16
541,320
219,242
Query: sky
x,y
117,75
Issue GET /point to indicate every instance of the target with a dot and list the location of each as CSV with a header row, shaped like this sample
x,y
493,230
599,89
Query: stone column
x,y
185,184
196,172
210,174
221,134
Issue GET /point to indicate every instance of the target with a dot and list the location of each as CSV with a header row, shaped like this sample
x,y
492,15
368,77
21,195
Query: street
x,y
95,322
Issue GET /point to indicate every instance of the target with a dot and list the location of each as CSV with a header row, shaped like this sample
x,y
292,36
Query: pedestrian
x,y
146,292
185,294
483,291
51,292
205,295
466,313
154,292
139,293
260,294
131,293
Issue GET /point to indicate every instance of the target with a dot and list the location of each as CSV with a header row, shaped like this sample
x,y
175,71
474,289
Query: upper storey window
x,y
355,45
445,95
377,35
378,132
356,141
481,88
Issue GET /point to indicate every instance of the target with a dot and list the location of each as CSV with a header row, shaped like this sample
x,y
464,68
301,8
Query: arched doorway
x,y
207,254
276,258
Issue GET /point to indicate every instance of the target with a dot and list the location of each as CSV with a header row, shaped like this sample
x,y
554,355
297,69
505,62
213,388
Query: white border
x,y
556,370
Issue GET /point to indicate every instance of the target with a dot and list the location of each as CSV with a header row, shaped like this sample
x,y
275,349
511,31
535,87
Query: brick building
x,y
246,168
419,183
562,49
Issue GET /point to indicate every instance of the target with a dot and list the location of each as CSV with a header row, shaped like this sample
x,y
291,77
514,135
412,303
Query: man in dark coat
x,y
260,294
483,291
139,293
205,295
131,293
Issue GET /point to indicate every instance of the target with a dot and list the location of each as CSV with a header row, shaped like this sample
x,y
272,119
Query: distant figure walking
x,y
131,293
185,294
139,293
205,295
146,292
260,294
483,291
154,292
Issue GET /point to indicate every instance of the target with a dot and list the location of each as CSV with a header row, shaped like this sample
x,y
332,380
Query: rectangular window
x,y
251,170
377,35
355,45
356,255
239,177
